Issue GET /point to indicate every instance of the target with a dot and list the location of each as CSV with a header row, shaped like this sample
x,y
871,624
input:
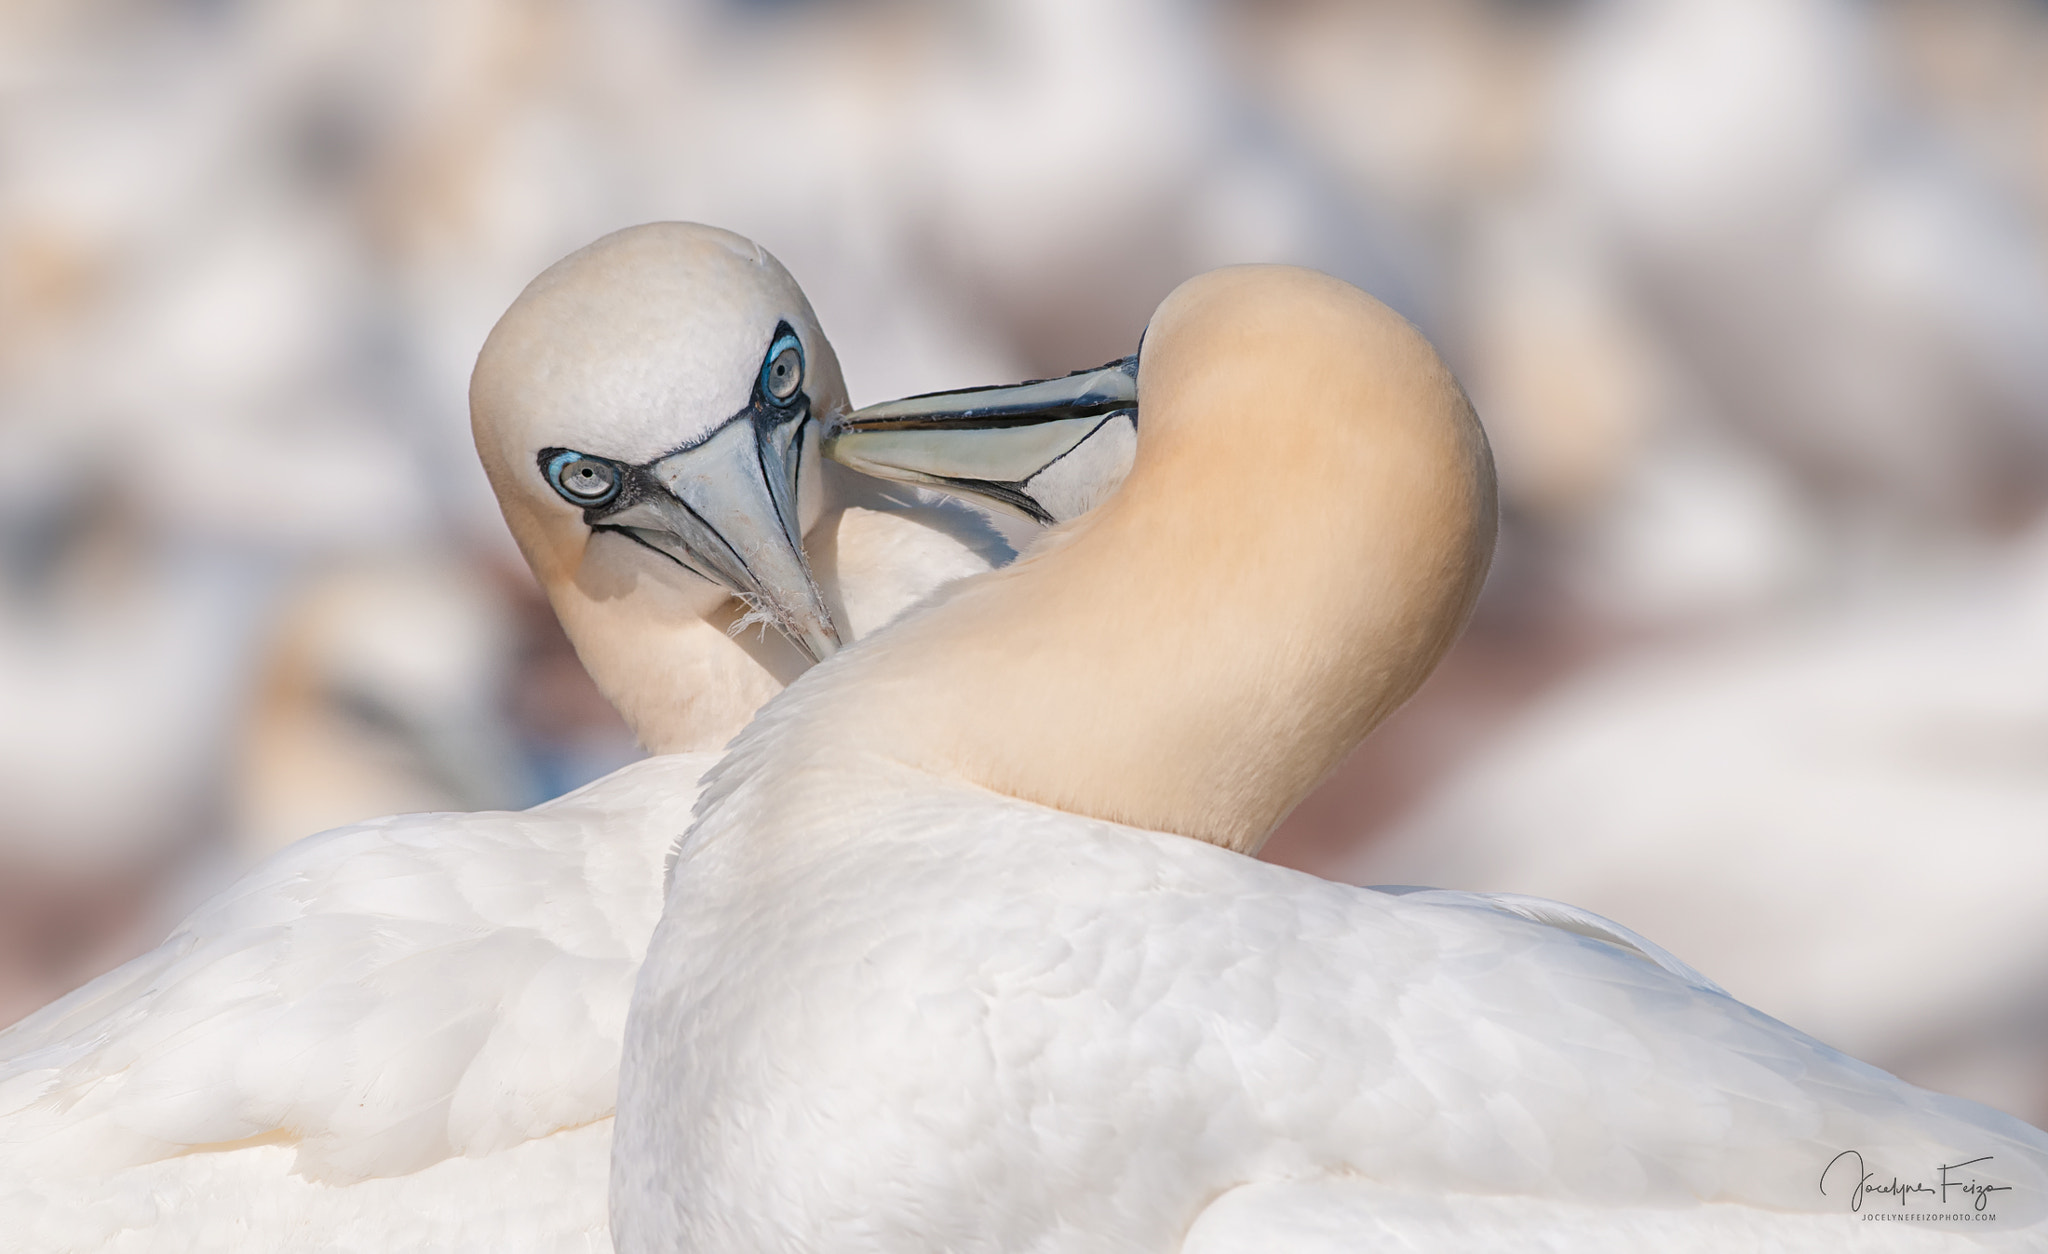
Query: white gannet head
x,y
645,411
650,414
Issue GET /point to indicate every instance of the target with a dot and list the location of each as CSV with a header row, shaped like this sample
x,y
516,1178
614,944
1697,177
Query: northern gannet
x,y
1830,277
404,1034
941,968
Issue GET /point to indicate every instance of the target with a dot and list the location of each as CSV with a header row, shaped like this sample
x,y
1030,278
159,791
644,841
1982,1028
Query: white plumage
x,y
940,968
944,1019
411,1026
405,1034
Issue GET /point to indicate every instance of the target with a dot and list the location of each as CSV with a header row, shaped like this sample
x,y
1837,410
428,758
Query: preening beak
x,y
1047,450
745,475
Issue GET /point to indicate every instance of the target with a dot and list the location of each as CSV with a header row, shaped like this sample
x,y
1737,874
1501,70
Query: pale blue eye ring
x,y
782,373
582,479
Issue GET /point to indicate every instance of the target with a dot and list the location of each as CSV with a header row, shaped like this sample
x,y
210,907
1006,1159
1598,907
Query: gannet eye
x,y
583,480
783,372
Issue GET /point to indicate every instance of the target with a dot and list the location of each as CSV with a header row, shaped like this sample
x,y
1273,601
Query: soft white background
x,y
1751,294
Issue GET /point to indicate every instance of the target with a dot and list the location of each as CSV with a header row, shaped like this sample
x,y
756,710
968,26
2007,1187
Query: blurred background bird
x,y
1752,295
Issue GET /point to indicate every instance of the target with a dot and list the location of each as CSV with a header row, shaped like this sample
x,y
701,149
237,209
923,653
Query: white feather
x,y
413,1023
875,992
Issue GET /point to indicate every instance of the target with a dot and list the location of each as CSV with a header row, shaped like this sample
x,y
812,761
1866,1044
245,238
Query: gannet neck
x,y
1303,534
687,676
678,674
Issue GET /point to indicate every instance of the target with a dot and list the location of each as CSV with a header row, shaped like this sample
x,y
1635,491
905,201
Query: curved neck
x,y
681,682
1302,536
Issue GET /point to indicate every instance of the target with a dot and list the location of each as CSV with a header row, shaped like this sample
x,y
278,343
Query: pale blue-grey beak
x,y
1047,451
724,507
745,479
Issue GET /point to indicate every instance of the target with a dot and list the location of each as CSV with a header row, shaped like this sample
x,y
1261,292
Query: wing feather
x,y
381,997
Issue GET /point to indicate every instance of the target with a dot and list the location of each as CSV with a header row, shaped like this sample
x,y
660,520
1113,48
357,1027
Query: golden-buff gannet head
x,y
646,412
1302,535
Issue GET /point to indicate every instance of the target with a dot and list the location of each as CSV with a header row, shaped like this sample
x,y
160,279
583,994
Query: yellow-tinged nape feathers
x,y
1192,619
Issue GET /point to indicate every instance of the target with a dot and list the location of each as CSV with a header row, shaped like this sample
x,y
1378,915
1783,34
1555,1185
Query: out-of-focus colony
x,y
1752,295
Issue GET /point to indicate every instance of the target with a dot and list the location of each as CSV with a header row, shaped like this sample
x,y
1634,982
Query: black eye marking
x,y
580,478
782,370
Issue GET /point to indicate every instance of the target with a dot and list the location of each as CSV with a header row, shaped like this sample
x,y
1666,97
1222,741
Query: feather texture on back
x,y
413,993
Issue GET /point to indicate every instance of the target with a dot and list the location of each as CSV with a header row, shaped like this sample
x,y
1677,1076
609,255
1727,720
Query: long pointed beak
x,y
727,509
1047,451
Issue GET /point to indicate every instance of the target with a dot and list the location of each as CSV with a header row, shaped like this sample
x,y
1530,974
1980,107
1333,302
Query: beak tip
x,y
822,640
